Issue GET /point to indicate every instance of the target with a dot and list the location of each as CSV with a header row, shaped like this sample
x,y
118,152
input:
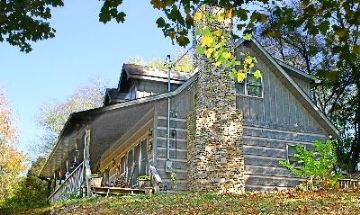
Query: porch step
x,y
106,191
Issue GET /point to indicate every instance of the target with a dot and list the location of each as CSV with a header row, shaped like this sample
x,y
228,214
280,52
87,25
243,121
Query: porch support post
x,y
87,170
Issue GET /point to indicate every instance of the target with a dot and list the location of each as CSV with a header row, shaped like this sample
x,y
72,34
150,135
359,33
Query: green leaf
x,y
324,26
341,32
257,74
182,40
198,32
200,50
356,49
160,22
207,32
233,74
247,37
242,14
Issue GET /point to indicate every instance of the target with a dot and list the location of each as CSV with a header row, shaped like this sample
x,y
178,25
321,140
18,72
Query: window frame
x,y
245,88
292,162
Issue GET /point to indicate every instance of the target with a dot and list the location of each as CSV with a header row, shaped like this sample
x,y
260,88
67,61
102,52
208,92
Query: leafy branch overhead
x,y
23,22
213,45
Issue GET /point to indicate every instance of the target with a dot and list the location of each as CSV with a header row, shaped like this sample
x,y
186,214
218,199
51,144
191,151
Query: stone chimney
x,y
215,128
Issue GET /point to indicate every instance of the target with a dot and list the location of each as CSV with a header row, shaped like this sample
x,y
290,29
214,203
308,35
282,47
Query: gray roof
x,y
143,72
294,71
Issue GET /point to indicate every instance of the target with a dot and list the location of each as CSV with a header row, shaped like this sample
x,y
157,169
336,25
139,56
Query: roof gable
x,y
132,71
294,89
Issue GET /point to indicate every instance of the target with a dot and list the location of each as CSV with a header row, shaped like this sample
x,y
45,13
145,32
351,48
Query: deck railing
x,y
71,185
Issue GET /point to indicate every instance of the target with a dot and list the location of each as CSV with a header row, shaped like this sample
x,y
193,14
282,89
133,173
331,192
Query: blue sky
x,y
83,49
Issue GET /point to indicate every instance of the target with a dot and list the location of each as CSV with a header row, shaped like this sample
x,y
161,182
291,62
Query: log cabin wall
x,y
181,104
272,124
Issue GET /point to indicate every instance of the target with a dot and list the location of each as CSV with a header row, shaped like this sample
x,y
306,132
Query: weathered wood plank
x,y
262,151
266,170
174,154
262,180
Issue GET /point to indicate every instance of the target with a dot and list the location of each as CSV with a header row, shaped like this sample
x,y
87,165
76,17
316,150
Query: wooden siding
x,y
263,149
146,88
279,108
304,85
177,151
180,107
272,122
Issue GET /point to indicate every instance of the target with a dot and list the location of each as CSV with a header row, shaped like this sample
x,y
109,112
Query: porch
x,y
92,146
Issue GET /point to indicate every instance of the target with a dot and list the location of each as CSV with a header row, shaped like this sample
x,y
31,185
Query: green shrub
x,y
144,178
315,165
31,192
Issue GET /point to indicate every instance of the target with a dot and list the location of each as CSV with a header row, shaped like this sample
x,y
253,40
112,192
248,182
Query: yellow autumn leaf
x,y
218,32
208,52
241,77
248,60
226,55
220,17
229,14
218,63
206,41
198,16
257,74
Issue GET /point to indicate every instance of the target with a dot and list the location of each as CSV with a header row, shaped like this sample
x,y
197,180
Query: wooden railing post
x,y
72,184
87,170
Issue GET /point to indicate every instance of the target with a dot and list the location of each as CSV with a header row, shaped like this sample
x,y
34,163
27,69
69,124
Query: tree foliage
x,y
215,43
11,161
182,63
52,117
26,21
322,39
23,22
31,192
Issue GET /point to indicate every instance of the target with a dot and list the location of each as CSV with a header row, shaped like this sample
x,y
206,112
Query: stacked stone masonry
x,y
215,155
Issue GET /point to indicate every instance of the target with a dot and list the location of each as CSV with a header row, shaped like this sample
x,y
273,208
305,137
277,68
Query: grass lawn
x,y
286,202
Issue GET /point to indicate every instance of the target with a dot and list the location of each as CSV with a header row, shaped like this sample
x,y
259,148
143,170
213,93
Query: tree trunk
x,y
355,148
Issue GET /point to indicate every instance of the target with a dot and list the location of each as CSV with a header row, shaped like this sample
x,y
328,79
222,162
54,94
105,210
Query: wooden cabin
x,y
135,134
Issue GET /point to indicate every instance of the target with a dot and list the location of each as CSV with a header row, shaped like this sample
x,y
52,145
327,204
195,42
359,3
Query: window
x,y
123,165
131,95
250,87
143,158
290,154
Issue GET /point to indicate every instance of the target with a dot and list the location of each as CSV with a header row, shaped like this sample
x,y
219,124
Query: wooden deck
x,y
106,191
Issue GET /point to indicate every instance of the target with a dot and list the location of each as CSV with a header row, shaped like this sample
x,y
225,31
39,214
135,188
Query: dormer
x,y
138,81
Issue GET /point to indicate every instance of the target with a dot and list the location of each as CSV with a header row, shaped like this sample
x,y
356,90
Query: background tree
x,y
182,60
52,117
322,39
31,192
11,161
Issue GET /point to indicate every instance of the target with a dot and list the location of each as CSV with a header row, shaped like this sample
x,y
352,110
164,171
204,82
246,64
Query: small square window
x,y
290,153
250,87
